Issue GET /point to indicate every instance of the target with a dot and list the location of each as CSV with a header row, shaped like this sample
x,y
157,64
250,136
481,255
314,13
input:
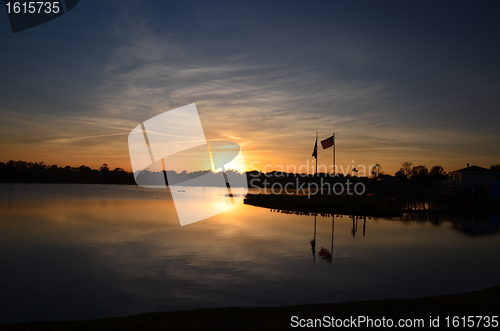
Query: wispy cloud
x,y
269,87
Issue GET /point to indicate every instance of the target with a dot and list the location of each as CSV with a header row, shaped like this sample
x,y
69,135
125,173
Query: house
x,y
478,181
473,176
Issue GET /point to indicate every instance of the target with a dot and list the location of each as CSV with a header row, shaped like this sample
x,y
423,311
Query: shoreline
x,y
479,303
324,204
355,205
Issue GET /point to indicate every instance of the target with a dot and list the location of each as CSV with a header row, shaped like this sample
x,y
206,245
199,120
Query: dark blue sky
x,y
395,81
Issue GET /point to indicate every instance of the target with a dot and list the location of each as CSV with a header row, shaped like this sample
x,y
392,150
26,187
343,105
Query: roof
x,y
473,169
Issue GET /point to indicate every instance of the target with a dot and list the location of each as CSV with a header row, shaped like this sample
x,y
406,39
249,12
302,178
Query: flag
x,y
315,150
328,142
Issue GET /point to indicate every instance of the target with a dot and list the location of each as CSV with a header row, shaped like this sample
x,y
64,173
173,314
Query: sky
x,y
395,81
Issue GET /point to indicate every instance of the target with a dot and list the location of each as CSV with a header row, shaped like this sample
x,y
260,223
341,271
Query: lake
x,y
71,251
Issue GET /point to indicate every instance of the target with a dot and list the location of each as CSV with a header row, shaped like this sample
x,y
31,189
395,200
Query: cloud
x,y
266,84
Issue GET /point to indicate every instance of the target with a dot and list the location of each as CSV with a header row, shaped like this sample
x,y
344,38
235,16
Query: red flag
x,y
315,150
328,142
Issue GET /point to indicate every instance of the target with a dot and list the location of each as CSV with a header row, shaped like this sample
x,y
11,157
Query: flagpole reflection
x,y
333,232
313,242
354,225
324,253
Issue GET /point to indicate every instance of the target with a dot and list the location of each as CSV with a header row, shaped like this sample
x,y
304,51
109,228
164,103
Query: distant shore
x,y
480,303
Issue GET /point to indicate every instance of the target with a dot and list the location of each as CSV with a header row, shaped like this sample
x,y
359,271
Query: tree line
x,y
39,172
421,172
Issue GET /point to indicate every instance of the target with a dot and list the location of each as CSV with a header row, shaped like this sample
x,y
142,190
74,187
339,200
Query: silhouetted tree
x,y
419,171
405,170
84,168
495,167
376,170
437,171
29,172
104,167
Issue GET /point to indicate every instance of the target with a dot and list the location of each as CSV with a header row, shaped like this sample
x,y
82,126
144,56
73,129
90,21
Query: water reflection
x,y
477,225
313,242
472,224
105,254
324,253
468,223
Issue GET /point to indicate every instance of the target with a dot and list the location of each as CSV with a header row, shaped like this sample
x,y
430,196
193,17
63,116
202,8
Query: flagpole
x,y
316,155
334,165
333,155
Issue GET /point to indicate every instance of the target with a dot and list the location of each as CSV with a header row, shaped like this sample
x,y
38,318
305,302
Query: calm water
x,y
90,251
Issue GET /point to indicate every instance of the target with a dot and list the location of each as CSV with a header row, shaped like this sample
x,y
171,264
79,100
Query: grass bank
x,y
480,303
